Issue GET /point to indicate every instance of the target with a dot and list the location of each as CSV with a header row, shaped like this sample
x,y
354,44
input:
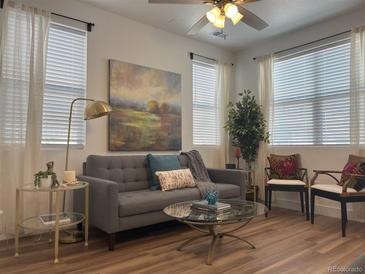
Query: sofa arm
x,y
104,203
229,176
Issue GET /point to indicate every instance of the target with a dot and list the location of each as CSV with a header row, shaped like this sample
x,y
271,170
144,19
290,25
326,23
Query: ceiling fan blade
x,y
251,19
198,25
178,1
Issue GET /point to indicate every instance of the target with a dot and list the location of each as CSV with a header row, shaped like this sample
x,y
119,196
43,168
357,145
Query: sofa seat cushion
x,y
227,191
144,201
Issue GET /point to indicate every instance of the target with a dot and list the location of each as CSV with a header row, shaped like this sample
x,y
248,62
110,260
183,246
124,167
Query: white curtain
x,y
265,100
22,69
224,86
357,90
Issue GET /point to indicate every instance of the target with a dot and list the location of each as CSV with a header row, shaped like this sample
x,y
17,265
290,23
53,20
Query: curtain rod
x,y
88,24
212,59
306,44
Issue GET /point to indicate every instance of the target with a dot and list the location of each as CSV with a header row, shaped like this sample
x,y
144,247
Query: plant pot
x,y
46,182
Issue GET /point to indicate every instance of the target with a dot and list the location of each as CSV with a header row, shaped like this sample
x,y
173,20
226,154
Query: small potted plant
x,y
42,179
46,179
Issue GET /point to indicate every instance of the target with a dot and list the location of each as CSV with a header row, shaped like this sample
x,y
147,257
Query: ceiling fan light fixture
x,y
213,14
219,23
230,10
236,18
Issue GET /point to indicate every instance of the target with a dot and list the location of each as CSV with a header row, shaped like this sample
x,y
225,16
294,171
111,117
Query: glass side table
x,y
3,233
34,222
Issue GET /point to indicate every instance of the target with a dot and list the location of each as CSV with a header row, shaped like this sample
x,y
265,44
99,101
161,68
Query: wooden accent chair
x,y
298,183
341,191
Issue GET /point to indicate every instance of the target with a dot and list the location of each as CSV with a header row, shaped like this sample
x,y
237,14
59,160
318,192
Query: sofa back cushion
x,y
161,163
130,172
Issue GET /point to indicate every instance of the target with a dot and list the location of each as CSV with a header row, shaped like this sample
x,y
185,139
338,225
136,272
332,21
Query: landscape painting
x,y
146,106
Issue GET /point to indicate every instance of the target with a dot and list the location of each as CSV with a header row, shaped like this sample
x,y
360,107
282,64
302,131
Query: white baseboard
x,y
320,209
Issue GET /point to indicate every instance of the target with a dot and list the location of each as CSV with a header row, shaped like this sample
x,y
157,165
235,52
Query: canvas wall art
x,y
147,108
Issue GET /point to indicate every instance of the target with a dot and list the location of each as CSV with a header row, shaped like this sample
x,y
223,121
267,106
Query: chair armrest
x,y
324,172
104,203
229,176
268,173
304,175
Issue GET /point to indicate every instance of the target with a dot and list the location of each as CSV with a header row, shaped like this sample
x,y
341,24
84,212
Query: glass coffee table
x,y
213,225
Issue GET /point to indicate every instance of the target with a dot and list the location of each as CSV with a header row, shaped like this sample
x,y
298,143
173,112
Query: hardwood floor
x,y
285,243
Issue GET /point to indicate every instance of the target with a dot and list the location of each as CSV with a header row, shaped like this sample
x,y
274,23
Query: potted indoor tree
x,y
247,127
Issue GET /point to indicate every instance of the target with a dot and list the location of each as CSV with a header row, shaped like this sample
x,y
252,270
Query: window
x,y
205,109
311,96
65,81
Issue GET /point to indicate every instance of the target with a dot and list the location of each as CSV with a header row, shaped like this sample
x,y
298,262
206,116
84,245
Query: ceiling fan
x,y
222,9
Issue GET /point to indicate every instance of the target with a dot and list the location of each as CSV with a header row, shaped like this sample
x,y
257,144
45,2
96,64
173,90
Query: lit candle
x,y
238,152
69,177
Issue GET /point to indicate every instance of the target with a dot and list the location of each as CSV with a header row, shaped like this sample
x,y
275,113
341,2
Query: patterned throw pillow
x,y
353,168
349,168
284,167
175,179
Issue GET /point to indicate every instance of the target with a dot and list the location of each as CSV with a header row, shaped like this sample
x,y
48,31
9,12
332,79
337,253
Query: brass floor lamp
x,y
93,110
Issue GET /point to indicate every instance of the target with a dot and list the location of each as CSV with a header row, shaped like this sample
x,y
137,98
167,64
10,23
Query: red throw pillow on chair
x,y
357,168
348,168
283,167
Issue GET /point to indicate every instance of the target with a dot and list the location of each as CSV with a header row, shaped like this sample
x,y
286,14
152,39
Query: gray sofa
x,y
120,198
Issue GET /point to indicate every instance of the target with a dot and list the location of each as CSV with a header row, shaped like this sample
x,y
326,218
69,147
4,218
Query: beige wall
x,y
119,38
333,158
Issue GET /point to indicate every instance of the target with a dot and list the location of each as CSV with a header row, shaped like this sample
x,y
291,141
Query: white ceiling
x,y
281,15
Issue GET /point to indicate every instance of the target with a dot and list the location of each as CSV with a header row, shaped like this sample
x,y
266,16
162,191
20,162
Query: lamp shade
x,y
213,14
230,10
236,18
220,22
96,109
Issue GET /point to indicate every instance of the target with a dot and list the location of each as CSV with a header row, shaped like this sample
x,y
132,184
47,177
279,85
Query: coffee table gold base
x,y
212,232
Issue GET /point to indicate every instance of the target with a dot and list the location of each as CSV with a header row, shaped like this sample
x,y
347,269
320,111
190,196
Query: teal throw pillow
x,y
161,163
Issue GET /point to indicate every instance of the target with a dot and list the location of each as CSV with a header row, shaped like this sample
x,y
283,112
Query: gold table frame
x,y
212,232
209,227
33,223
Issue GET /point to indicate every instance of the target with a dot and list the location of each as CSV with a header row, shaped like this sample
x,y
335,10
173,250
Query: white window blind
x,y
205,109
311,96
65,81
